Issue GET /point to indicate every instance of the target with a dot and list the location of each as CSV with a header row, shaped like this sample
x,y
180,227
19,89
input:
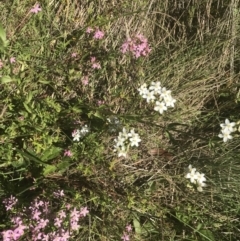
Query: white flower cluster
x,y
227,129
78,134
124,140
196,178
157,93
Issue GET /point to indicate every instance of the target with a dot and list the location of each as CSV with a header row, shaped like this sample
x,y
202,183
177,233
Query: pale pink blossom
x,y
36,9
98,34
85,80
125,237
100,102
89,30
74,55
68,153
12,60
84,211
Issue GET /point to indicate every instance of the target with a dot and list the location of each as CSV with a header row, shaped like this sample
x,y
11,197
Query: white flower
x,y
228,126
192,175
135,139
123,134
169,101
84,130
143,89
122,152
225,135
76,135
119,141
156,87
196,178
160,107
200,178
190,168
149,96
165,93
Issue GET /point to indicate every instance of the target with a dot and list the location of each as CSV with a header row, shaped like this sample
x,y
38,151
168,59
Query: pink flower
x,y
12,60
45,237
74,55
7,235
129,228
74,225
89,30
93,59
74,215
36,9
100,102
36,214
62,214
65,236
125,237
84,211
58,222
98,34
85,80
95,65
68,206
68,153
17,233
138,46
10,202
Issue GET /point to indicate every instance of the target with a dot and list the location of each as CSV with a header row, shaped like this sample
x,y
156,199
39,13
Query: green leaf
x,y
2,33
206,235
3,39
137,226
99,115
29,97
48,169
30,156
27,107
6,79
50,153
63,166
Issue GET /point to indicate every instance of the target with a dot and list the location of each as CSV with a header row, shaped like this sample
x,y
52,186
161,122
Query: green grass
x,y
194,53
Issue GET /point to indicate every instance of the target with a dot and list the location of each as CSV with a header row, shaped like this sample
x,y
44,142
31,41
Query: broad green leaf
x,y
2,33
99,115
50,153
48,169
137,226
63,166
3,39
30,156
6,79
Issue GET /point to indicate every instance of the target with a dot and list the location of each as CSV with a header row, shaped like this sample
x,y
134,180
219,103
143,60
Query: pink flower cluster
x,y
10,202
126,235
17,232
137,45
95,64
39,216
97,33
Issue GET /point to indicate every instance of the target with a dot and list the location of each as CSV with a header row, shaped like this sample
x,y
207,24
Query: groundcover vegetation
x,y
119,120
